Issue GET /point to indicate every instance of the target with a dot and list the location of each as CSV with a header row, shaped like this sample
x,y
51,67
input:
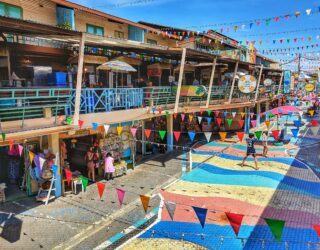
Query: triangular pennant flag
x,y
209,120
235,221
11,141
216,113
258,134
275,134
317,229
42,161
267,124
229,122
153,110
311,112
120,193
106,128
182,117
315,130
175,115
241,122
167,114
69,120
191,135
208,135
176,135
209,112
297,123
162,134
68,175
3,136
290,113
251,115
295,132
94,126
133,131
80,123
84,181
261,114
199,119
314,123
31,156
223,135
60,119
147,132
233,114
145,201
101,186
218,121
54,169
201,214
225,113
240,135
20,148
119,130
242,114
190,118
171,208
276,227
253,123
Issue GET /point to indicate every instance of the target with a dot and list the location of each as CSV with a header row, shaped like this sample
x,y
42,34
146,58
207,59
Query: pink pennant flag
x,y
120,193
176,135
254,123
20,148
133,131
182,117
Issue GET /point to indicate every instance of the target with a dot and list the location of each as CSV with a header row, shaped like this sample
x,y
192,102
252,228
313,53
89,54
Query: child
x,y
265,143
250,150
109,168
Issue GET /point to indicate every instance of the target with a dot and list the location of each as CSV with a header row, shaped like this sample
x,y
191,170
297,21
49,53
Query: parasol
x,y
284,110
117,66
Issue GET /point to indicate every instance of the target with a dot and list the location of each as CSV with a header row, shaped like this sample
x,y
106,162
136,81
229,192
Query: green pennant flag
x,y
84,182
258,134
276,227
167,114
69,120
209,112
229,121
162,134
3,136
270,115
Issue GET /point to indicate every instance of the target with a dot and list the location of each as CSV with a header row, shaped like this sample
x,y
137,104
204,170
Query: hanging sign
x,y
191,90
247,84
309,87
267,82
286,81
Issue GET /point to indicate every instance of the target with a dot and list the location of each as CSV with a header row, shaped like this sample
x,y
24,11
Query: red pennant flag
x,y
80,123
235,221
216,113
219,121
241,122
240,135
261,114
275,134
101,187
175,115
176,135
11,141
317,228
314,123
201,112
147,132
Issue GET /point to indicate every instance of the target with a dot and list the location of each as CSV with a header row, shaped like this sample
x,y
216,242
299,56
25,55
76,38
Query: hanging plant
x,y
65,25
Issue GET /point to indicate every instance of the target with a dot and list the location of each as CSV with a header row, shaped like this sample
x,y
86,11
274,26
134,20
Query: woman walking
x,y
90,164
251,150
265,143
109,168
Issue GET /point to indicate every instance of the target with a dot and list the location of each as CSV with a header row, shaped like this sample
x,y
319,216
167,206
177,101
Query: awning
x,y
91,59
160,66
129,60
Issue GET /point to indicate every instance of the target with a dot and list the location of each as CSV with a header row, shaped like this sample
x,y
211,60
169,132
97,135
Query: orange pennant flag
x,y
267,123
145,201
190,118
31,156
311,112
147,132
223,135
242,114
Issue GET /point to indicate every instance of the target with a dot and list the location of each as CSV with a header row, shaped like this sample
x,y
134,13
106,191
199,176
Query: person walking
x,y
265,143
109,167
251,150
90,164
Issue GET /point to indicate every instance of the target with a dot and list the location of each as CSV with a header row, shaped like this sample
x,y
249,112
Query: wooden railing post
x,y
211,81
258,84
233,82
183,61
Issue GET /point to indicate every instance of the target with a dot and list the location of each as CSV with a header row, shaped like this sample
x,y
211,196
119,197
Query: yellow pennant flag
x,y
119,130
190,118
223,135
31,156
242,114
145,201
267,123
311,112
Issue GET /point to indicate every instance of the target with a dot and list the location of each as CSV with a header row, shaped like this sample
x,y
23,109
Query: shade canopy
x,y
284,110
117,66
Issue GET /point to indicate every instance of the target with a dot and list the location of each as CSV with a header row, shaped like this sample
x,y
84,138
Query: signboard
x,y
267,82
154,72
233,54
286,81
191,91
247,84
309,87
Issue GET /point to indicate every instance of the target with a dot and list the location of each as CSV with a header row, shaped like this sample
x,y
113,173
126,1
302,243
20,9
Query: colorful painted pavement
x,y
284,189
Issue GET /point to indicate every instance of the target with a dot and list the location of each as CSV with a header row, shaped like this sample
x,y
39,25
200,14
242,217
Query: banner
x,y
286,81
235,221
276,227
201,214
171,208
247,84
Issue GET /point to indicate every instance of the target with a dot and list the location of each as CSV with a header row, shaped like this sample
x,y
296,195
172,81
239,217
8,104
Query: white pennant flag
x,y
308,11
171,207
199,119
315,130
106,128
42,161
234,114
208,135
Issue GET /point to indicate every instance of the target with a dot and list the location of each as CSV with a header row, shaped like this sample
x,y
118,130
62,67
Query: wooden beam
x,y
233,81
211,81
280,84
258,84
183,61
79,80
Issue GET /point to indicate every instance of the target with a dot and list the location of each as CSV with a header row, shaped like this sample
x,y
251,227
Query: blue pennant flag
x,y
290,113
94,126
209,120
297,123
225,113
54,170
280,111
191,135
201,214
295,132
153,110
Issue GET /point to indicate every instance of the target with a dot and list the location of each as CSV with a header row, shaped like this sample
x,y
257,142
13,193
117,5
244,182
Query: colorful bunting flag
x,y
218,121
176,135
251,115
199,119
100,186
31,156
235,221
241,122
119,130
3,136
120,193
68,175
171,208
191,135
54,169
190,118
209,112
276,227
216,113
20,148
229,122
175,115
317,229
315,130
261,114
240,136
295,132
182,117
314,123
162,134
80,123
69,120
223,135
147,133
233,114
133,132
106,128
267,124
94,126
275,134
311,112
225,113
242,114
209,120
11,142
145,201
201,214
253,123
167,114
297,123
258,134
208,135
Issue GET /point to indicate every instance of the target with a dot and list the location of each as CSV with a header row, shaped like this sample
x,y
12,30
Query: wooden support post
x,y
183,61
280,84
233,82
9,68
258,84
170,133
79,81
211,81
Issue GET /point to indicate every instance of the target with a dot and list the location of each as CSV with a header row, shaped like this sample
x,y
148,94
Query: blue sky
x,y
186,13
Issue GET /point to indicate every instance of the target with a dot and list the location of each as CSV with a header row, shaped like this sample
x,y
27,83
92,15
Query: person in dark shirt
x,y
251,150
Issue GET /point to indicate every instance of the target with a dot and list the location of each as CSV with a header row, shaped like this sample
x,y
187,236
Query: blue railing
x,y
106,100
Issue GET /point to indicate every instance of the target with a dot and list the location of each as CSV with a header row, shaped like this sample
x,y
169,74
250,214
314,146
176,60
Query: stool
x,y
75,183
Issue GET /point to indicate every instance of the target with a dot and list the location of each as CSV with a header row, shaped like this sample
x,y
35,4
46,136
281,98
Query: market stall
x,y
162,72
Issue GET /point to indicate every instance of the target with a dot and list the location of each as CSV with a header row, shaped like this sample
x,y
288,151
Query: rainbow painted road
x,y
283,189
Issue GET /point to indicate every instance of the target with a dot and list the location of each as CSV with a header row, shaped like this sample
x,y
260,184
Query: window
x,y
152,42
96,30
65,18
119,34
9,10
135,34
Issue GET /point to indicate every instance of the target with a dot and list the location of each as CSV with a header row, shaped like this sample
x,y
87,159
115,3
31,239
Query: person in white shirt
x,y
265,143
